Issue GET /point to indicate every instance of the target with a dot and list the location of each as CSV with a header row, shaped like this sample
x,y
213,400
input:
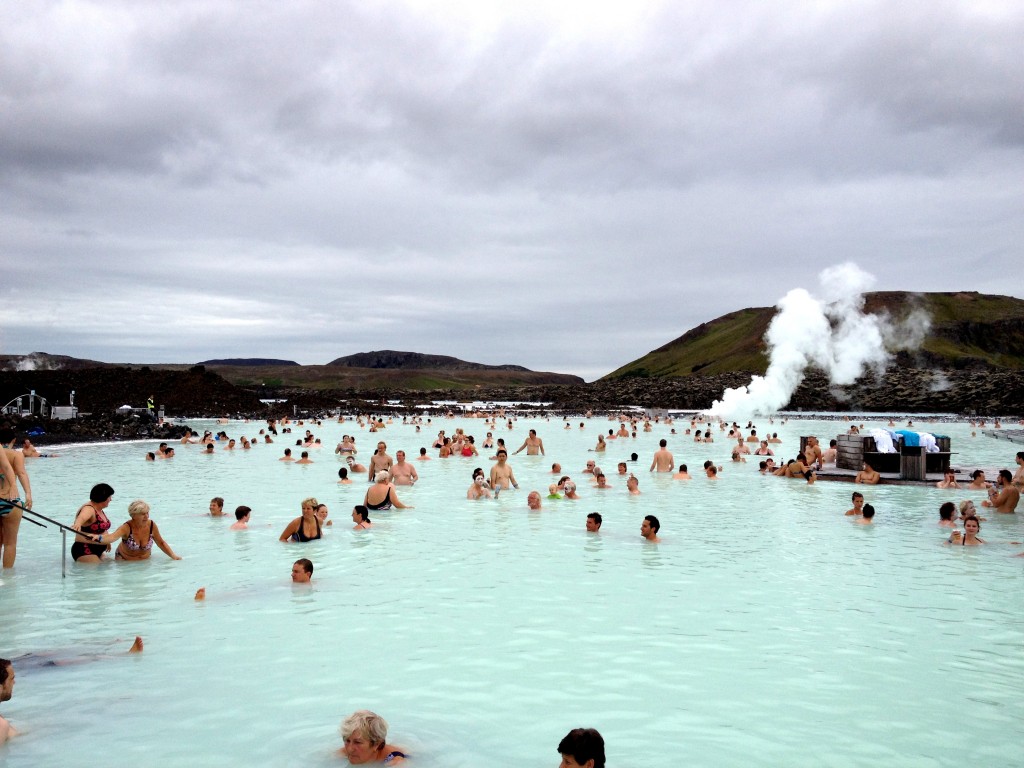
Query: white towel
x,y
883,441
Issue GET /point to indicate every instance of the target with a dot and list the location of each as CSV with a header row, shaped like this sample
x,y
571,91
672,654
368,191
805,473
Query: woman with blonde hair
x,y
365,734
306,527
138,535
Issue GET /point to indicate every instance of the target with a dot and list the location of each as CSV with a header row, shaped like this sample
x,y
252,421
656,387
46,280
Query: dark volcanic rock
x,y
92,428
103,390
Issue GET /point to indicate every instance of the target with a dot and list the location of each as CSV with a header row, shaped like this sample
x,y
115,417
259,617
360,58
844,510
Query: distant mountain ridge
x,y
251,361
388,358
969,331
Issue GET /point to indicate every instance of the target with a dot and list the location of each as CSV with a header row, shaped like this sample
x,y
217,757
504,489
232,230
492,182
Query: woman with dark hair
x,y
946,512
92,521
972,527
361,517
582,748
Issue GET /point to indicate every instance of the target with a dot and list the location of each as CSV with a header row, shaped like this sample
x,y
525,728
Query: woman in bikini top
x,y
91,521
138,535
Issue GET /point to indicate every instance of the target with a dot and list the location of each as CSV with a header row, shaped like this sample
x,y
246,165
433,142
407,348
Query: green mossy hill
x,y
969,331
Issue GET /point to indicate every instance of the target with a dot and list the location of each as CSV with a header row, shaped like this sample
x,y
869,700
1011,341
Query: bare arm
x,y
163,544
111,536
22,473
7,731
291,528
396,502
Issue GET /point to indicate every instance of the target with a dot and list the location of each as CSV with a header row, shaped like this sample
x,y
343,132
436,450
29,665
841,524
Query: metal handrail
x,y
63,529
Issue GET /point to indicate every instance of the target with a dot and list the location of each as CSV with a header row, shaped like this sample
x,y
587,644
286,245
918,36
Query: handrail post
x,y
63,553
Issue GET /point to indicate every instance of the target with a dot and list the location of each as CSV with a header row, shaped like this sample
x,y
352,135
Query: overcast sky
x,y
560,185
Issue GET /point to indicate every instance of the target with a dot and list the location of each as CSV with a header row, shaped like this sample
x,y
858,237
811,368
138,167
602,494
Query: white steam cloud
x,y
831,333
32,362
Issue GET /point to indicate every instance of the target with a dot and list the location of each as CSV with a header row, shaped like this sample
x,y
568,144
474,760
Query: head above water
x,y
367,724
100,493
585,746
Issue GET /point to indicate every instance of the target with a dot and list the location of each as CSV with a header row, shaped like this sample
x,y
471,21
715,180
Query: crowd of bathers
x,y
366,739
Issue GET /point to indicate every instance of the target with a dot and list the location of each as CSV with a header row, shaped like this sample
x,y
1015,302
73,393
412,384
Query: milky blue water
x,y
766,628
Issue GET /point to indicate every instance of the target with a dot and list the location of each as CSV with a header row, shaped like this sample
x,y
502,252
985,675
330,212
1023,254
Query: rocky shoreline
x,y
202,394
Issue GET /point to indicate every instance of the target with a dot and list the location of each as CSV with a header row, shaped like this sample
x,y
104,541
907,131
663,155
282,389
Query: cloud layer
x,y
559,185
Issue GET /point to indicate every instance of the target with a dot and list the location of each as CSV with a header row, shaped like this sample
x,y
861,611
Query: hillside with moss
x,y
969,331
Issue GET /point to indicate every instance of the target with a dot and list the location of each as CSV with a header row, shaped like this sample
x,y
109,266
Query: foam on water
x,y
765,629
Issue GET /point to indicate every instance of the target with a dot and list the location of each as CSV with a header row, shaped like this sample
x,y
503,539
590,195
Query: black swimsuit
x,y
299,535
385,504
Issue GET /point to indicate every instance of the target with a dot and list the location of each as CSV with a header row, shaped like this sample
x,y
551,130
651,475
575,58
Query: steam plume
x,y
832,333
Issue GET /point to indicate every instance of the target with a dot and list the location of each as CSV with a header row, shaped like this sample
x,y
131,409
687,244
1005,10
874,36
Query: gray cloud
x,y
564,188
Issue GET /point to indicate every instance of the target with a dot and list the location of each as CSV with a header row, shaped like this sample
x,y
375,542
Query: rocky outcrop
x,y
103,390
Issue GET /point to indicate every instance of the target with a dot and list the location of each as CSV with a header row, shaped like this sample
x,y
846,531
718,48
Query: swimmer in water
x,y
138,535
478,487
582,748
306,527
972,527
365,736
242,515
361,517
867,516
649,529
1004,496
858,505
